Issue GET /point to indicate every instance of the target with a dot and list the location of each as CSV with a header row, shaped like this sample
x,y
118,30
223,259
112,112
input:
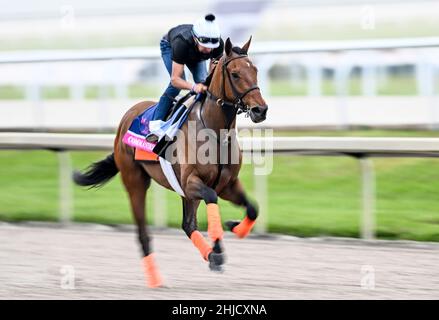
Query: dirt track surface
x,y
107,265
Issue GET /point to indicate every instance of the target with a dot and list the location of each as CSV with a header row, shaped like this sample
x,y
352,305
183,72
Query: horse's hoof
x,y
232,223
215,268
216,260
155,285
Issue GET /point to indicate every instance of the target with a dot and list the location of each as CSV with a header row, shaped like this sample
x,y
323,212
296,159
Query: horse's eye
x,y
235,75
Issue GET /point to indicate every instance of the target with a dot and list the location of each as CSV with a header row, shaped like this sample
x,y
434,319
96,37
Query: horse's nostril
x,y
257,110
260,111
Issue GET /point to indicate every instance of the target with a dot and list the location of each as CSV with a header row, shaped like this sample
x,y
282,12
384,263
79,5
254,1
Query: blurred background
x,y
326,68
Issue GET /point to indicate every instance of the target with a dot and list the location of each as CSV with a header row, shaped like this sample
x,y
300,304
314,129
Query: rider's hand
x,y
199,88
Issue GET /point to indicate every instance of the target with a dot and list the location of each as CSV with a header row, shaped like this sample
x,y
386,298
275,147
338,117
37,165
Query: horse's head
x,y
239,82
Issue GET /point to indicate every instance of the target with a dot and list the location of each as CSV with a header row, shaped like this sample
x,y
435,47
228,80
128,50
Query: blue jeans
x,y
199,72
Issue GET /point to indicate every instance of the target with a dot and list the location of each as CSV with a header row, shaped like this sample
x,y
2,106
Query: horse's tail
x,y
98,173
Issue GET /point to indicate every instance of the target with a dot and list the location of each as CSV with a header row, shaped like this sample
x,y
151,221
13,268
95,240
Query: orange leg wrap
x,y
214,226
201,244
152,272
243,229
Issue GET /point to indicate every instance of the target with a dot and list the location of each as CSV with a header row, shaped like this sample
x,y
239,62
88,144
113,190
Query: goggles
x,y
206,40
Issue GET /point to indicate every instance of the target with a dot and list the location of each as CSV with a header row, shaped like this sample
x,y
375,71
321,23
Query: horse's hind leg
x,y
235,194
136,182
190,227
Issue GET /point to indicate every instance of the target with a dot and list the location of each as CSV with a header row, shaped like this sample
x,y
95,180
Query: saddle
x,y
165,142
176,103
139,129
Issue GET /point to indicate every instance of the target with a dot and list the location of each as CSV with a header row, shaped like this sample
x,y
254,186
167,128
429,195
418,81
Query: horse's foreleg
x,y
190,227
196,189
136,183
235,194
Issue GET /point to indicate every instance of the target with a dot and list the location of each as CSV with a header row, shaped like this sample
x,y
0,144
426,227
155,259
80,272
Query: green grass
x,y
308,196
91,92
396,85
11,92
358,133
61,92
142,91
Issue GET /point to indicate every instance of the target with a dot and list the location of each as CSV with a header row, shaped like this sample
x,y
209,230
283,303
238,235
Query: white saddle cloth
x,y
170,175
156,127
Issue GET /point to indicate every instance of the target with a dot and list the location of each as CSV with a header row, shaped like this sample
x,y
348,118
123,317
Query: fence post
x,y
65,187
342,92
367,224
368,81
159,205
314,80
260,192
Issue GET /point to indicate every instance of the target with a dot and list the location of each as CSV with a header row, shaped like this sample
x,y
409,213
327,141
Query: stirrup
x,y
151,137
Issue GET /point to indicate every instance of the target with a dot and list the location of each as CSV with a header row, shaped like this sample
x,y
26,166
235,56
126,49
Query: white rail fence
x,y
342,56
119,68
360,148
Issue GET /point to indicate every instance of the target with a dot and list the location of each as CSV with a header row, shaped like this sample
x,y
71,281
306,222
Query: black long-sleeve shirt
x,y
184,48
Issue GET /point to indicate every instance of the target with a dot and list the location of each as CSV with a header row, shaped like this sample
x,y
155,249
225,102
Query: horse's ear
x,y
228,47
247,45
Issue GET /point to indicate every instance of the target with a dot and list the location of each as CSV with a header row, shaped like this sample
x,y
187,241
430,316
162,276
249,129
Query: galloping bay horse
x,y
233,89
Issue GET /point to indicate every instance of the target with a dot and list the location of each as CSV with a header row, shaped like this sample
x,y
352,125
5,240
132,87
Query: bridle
x,y
230,108
237,106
